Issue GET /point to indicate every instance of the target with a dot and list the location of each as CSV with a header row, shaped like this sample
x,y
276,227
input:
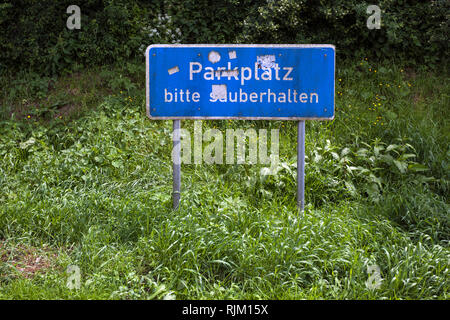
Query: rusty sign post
x,y
246,82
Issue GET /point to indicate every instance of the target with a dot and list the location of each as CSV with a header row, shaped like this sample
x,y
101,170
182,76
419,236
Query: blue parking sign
x,y
284,82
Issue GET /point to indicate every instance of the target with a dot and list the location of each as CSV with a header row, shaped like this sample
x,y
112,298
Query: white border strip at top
x,y
147,77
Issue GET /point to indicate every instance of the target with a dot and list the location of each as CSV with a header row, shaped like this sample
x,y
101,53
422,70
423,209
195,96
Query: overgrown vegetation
x,y
114,31
92,187
85,177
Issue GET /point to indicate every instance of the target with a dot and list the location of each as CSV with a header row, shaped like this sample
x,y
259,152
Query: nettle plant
x,y
334,173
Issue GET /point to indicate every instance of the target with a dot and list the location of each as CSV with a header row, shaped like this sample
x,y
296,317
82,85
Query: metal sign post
x,y
176,160
301,165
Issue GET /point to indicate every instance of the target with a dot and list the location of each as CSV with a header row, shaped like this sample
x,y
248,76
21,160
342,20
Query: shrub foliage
x,y
34,33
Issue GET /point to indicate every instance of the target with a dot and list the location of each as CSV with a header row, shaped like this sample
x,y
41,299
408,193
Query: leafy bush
x,y
38,38
334,174
34,33
416,30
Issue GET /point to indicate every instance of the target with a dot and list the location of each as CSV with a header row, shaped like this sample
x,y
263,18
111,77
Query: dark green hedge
x,y
34,35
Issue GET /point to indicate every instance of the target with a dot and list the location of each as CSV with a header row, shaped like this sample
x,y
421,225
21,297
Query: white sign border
x,y
147,76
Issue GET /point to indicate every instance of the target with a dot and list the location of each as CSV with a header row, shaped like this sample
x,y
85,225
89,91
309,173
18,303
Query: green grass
x,y
92,188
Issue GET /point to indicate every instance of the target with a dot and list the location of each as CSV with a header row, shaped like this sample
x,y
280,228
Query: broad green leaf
x,y
407,156
28,143
417,167
391,147
345,151
377,149
402,166
117,164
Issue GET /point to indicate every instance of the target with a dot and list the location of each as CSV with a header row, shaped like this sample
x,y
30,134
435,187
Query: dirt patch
x,y
73,91
67,110
26,261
